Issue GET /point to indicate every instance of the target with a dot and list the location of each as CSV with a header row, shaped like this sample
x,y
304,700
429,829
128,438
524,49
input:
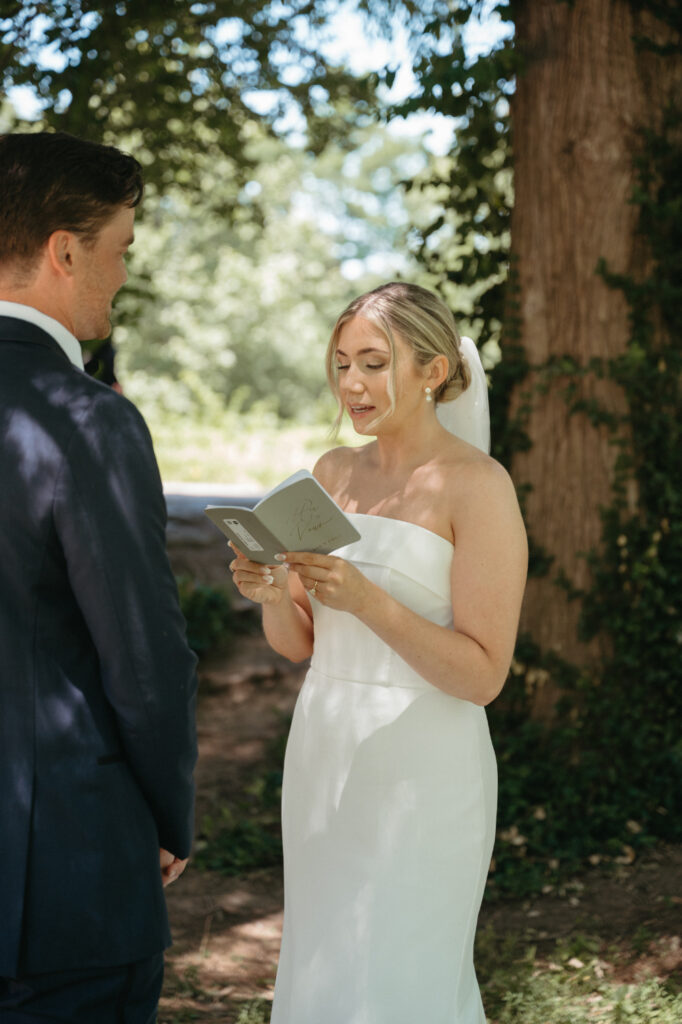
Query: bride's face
x,y
363,360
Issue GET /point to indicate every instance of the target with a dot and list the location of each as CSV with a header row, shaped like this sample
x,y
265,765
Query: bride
x,y
390,783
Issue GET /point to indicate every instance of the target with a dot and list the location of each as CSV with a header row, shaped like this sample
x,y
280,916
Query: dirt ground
x,y
227,930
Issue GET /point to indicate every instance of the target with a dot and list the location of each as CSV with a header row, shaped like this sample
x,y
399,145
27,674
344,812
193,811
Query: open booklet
x,y
297,515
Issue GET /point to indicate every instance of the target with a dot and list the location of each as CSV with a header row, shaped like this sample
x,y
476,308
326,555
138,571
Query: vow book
x,y
297,515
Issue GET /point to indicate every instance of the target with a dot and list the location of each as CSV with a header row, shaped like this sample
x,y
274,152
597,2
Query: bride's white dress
x,y
389,800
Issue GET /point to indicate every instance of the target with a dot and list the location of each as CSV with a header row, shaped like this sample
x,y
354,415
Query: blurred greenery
x,y
248,452
225,313
275,193
244,834
208,614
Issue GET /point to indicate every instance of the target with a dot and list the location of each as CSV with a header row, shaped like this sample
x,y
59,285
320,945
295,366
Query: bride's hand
x,y
264,584
332,581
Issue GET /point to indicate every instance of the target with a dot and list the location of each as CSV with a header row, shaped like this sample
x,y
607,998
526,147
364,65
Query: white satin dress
x,y
388,810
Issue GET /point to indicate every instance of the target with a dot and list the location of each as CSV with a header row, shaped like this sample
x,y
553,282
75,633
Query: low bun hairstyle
x,y
421,319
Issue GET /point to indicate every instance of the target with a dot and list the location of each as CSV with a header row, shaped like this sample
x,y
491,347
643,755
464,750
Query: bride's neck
x,y
403,450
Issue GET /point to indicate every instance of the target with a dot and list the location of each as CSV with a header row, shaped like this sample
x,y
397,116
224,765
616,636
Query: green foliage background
x,y
230,312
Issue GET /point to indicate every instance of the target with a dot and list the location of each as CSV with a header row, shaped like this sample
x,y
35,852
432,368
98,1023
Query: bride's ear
x,y
437,372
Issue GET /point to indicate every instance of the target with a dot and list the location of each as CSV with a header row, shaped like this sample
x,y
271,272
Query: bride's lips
x,y
356,411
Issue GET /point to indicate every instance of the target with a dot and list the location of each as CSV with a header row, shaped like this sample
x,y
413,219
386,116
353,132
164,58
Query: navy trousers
x,y
100,995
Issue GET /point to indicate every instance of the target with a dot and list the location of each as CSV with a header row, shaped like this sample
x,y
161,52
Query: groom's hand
x,y
171,867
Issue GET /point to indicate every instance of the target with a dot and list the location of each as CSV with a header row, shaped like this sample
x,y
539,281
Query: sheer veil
x,y
467,416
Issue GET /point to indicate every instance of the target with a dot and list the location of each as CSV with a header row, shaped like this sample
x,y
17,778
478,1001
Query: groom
x,y
97,684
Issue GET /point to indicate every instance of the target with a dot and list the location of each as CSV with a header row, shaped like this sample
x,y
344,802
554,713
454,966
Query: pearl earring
x,y
427,392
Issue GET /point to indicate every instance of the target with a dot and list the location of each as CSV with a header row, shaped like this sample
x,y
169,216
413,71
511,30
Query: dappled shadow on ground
x,y
625,905
627,920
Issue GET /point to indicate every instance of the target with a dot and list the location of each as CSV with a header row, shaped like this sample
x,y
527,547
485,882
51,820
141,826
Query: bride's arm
x,y
489,565
287,617
288,625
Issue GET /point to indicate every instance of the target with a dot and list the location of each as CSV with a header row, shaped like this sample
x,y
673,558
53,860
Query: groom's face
x,y
99,271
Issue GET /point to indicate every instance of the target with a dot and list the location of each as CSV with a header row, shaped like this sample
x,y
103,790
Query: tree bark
x,y
585,91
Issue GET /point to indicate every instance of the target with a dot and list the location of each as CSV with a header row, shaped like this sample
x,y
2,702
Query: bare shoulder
x,y
333,469
475,472
480,491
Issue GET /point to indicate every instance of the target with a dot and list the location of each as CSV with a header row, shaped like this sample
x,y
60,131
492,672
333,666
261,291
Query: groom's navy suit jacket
x,y
97,684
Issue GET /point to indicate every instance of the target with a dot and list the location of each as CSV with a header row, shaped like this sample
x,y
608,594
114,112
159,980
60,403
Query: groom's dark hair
x,y
51,181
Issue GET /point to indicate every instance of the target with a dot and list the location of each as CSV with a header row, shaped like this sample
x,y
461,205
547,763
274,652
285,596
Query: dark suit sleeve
x,y
110,516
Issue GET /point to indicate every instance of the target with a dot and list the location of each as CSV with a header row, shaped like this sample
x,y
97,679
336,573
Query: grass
x,y
576,982
254,1013
249,452
579,982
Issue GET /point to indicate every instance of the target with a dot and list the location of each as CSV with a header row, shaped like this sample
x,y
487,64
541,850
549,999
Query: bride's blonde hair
x,y
421,320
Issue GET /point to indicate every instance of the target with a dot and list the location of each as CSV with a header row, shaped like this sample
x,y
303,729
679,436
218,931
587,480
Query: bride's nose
x,y
353,381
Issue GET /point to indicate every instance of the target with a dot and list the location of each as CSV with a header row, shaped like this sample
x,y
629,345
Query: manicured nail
x,y
280,558
267,578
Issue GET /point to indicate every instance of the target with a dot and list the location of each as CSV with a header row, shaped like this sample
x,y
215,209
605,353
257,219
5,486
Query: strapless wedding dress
x,y
388,809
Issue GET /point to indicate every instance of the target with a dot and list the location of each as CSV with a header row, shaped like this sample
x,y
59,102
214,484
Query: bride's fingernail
x,y
267,578
280,558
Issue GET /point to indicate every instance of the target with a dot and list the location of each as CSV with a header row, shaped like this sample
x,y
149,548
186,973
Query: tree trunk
x,y
585,91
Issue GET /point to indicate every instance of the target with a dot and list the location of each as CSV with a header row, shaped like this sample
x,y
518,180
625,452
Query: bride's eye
x,y
339,366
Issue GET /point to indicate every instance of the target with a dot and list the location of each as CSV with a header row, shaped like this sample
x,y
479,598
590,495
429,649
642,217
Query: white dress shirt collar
x,y
64,338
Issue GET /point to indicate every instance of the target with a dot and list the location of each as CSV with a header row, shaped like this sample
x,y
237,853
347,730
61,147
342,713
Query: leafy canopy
x,y
182,82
